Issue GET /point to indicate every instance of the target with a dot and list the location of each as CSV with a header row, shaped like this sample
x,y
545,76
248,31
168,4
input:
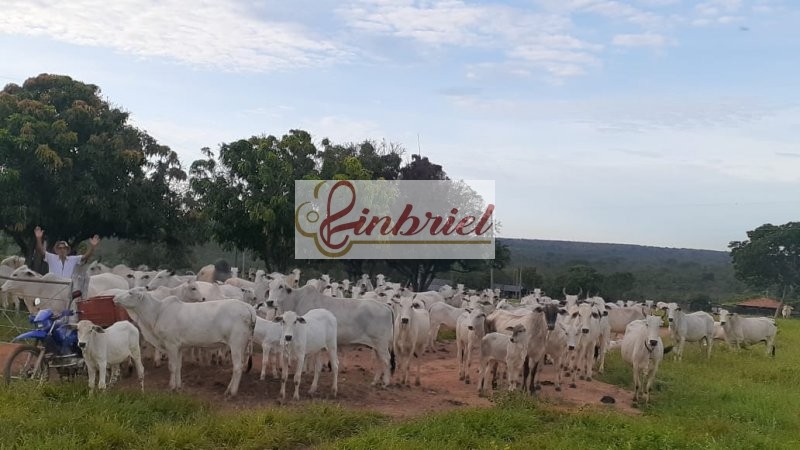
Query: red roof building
x,y
766,303
758,306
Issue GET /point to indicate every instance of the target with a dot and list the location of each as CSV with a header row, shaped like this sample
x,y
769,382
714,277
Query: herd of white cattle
x,y
216,323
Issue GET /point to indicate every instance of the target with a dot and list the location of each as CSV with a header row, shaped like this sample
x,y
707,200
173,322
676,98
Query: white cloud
x,y
640,40
220,34
529,41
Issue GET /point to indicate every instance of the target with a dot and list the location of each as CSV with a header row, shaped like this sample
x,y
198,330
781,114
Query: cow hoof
x,y
537,388
416,383
572,385
581,377
588,378
558,388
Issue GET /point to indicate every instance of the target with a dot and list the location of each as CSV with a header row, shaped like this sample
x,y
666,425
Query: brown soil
x,y
440,388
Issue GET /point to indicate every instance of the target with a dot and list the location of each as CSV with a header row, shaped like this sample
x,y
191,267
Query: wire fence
x,y
14,321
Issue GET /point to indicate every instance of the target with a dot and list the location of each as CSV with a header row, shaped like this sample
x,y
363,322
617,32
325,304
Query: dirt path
x,y
440,390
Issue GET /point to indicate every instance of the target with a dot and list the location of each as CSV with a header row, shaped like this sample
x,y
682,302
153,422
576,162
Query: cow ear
x,y
509,328
72,326
575,314
288,290
469,310
381,295
595,315
678,308
171,273
98,329
416,305
278,319
562,311
301,320
538,309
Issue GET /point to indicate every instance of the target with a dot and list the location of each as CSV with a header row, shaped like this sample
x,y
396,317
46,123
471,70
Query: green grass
x,y
734,401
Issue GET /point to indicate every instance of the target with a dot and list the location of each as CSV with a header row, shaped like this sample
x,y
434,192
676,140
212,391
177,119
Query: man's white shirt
x,y
65,269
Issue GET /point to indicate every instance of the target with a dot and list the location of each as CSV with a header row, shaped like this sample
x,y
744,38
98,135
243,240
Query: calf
x,y
509,349
109,348
642,348
411,330
561,342
308,336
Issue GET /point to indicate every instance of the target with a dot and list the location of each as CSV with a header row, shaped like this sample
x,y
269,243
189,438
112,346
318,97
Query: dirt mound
x,y
440,390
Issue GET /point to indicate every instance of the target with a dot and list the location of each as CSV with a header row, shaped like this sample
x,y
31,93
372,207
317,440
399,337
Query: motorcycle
x,y
56,348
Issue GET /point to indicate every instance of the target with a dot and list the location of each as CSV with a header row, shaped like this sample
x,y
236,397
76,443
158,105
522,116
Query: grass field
x,y
745,400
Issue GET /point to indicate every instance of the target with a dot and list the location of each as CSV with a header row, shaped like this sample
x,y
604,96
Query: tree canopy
x,y
769,258
73,164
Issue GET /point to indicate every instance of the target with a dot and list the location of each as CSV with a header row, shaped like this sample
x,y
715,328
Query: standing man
x,y
64,265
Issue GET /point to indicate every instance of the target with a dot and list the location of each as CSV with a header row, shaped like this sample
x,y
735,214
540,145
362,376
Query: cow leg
x,y
298,373
482,379
650,379
460,350
710,343
92,369
636,383
284,374
468,361
335,369
137,360
419,365
317,359
265,353
237,359
102,366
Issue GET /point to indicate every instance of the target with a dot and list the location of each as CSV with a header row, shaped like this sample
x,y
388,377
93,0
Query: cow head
x,y
291,324
407,305
551,313
571,332
653,327
476,319
518,333
86,331
277,292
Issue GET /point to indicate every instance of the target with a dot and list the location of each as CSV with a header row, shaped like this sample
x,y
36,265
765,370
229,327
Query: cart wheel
x,y
21,364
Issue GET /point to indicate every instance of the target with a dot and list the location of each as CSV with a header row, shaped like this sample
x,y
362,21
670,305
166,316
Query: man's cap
x,y
61,243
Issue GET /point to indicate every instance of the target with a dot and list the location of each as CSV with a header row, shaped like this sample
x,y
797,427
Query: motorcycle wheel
x,y
21,364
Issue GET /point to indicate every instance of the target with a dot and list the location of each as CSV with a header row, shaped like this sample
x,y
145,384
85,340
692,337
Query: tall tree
x,y
73,164
421,272
769,258
247,194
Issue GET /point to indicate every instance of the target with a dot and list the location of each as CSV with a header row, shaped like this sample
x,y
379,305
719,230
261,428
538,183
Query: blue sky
x,y
658,122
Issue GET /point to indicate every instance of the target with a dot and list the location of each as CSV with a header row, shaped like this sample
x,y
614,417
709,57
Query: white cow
x,y
442,314
175,325
642,348
268,333
619,318
361,322
695,327
308,336
572,300
786,311
412,327
169,279
105,281
510,349
109,348
24,284
749,330
470,329
561,342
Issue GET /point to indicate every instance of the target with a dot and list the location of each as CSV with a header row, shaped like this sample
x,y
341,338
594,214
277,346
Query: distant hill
x,y
661,273
614,257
